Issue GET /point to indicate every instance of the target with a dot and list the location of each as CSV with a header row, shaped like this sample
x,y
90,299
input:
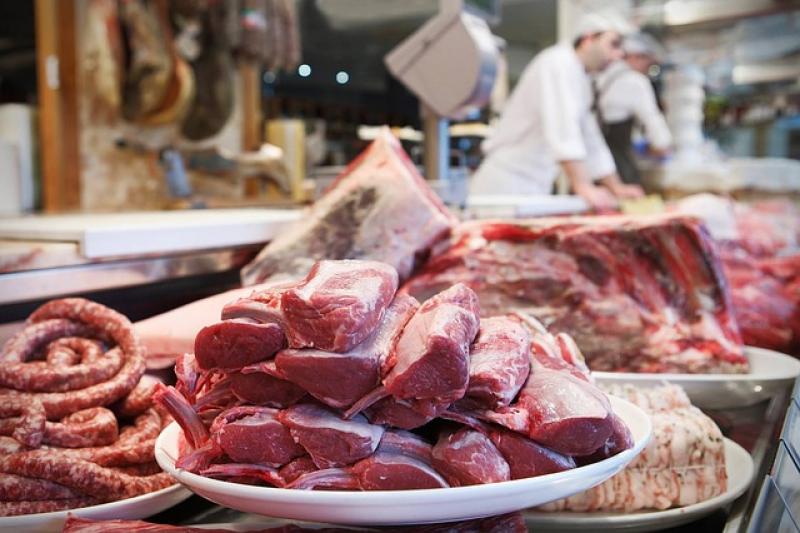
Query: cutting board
x,y
506,205
159,232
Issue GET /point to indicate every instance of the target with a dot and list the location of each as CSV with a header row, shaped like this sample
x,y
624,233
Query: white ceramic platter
x,y
128,509
408,506
738,463
770,372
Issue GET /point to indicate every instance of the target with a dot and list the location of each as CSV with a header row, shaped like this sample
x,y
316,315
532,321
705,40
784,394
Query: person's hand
x,y
622,190
598,198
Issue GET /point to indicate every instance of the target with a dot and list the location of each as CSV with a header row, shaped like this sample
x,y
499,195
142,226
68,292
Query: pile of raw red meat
x,y
758,245
77,420
763,268
337,381
637,294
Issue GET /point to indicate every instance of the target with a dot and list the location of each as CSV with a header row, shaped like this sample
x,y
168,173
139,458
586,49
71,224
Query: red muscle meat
x,y
499,362
338,305
467,457
339,379
526,458
432,354
257,387
251,434
379,208
328,439
232,344
640,295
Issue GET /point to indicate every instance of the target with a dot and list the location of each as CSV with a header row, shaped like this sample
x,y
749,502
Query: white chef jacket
x,y
626,93
547,119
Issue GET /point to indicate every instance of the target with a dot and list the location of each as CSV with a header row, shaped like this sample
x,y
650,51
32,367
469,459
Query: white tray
x,y
407,506
740,469
128,509
770,372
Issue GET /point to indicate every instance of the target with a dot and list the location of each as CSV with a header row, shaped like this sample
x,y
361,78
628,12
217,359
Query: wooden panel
x,y
58,110
250,74
68,71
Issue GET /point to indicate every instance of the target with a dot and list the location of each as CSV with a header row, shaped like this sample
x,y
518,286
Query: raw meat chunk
x,y
397,413
254,435
389,471
467,457
433,350
564,413
405,443
499,362
338,305
338,380
526,458
232,344
329,440
260,388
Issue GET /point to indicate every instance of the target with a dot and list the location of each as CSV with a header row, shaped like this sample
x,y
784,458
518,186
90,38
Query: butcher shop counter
x,y
756,428
177,256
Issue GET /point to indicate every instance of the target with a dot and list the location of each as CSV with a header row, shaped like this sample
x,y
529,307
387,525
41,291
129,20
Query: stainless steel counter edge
x,y
45,283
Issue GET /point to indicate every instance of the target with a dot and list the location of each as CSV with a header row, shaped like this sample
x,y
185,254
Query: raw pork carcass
x,y
642,295
683,464
379,208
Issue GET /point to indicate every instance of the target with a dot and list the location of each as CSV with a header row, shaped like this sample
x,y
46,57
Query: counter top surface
x,y
45,241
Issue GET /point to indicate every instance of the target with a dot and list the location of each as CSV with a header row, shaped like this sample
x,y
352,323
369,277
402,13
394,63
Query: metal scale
x,y
450,64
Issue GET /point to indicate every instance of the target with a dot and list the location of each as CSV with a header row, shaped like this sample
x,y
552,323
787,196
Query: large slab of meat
x,y
379,208
505,398
77,420
758,245
683,464
637,295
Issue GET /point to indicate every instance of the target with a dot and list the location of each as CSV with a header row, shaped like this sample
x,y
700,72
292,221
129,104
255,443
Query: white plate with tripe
x,y
770,372
134,508
406,506
738,464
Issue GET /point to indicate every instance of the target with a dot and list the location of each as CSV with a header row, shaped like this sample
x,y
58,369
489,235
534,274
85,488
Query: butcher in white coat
x,y
626,98
547,125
